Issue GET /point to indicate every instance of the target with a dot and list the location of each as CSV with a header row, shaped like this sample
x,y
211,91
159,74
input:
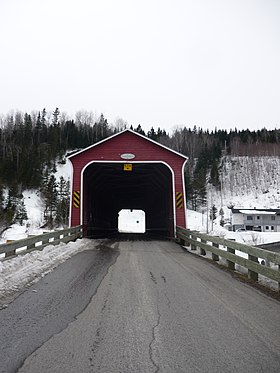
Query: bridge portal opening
x,y
132,221
109,188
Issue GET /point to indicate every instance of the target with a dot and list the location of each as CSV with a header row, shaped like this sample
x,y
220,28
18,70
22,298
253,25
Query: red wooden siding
x,y
144,151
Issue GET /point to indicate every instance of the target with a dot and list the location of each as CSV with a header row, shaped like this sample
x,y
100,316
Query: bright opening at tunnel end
x,y
132,221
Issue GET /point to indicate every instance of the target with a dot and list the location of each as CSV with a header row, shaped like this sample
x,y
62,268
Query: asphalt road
x,y
47,307
153,308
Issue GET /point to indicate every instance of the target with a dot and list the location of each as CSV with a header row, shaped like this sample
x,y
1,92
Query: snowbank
x,y
17,273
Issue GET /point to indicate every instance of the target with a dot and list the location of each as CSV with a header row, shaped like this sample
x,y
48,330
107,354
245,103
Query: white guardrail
x,y
29,244
211,244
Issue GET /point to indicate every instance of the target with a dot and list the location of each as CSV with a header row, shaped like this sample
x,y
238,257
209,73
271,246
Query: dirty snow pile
x,y
18,272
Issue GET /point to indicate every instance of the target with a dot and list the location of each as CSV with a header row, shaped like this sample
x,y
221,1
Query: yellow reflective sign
x,y
127,167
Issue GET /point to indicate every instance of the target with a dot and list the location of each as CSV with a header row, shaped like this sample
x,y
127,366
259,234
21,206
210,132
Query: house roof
x,y
256,211
136,134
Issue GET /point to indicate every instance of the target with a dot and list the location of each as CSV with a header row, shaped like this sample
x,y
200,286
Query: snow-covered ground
x,y
198,221
23,270
64,169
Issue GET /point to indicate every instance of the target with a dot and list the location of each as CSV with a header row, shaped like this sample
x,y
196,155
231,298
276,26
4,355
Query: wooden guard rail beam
x,y
29,244
195,239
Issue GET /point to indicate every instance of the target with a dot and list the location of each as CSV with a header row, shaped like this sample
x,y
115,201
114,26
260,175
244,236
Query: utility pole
x,y
212,212
207,214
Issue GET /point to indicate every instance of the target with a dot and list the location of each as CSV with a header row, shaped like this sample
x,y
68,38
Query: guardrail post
x,y
202,251
186,242
182,242
193,246
30,247
251,274
10,253
231,265
215,257
279,282
78,233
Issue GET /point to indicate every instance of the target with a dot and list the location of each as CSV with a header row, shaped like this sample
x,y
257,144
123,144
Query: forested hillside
x,y
31,145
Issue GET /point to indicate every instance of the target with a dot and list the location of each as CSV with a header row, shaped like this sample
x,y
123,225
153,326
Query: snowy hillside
x,y
35,210
248,182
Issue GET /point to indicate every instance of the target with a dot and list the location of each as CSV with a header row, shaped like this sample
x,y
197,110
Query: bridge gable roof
x,y
128,142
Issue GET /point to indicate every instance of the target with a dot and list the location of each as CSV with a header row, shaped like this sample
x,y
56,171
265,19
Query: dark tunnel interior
x,y
109,188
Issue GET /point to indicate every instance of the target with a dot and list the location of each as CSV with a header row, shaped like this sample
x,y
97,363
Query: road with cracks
x,y
140,306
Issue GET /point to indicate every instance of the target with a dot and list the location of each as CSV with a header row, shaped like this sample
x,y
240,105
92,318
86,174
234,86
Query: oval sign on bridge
x,y
127,156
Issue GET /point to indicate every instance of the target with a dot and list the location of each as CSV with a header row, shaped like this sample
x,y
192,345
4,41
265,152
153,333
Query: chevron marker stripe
x,y
76,199
179,200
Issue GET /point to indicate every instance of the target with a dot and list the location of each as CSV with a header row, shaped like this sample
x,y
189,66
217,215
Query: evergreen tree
x,y
6,215
213,213
222,217
62,211
103,128
49,193
55,119
1,198
152,134
214,174
199,187
11,205
21,213
140,130
43,120
54,169
189,187
12,198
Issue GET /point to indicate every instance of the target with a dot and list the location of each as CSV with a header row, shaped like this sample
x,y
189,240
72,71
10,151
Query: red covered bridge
x,y
128,171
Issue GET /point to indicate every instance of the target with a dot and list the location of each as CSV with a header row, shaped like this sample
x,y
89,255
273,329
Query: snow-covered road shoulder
x,y
19,272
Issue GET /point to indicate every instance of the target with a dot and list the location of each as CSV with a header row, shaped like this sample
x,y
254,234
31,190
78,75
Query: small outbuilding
x,y
128,171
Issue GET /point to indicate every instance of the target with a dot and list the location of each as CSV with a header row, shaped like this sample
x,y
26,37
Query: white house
x,y
262,220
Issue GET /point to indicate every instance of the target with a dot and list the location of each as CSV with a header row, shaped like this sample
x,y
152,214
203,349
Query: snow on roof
x,y
257,212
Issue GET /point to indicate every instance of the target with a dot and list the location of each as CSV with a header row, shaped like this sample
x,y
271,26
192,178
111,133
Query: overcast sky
x,y
156,63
